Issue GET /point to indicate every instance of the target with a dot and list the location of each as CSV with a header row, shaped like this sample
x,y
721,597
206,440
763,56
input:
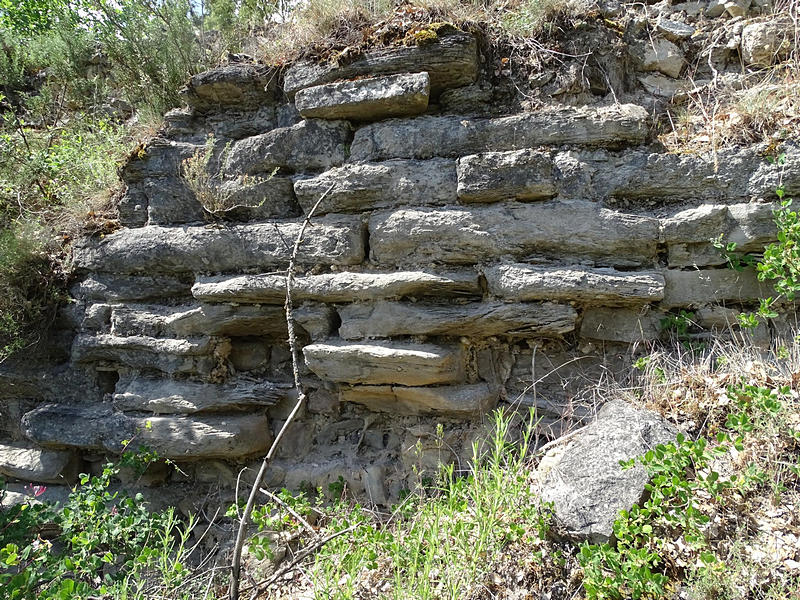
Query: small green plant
x,y
678,324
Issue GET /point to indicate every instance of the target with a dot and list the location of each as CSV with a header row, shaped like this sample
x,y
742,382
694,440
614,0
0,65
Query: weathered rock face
x,y
463,249
585,481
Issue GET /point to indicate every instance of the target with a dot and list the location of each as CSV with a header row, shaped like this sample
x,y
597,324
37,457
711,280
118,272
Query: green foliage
x,y
29,17
107,544
678,324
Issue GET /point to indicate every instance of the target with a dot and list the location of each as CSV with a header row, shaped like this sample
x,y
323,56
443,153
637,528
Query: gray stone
x,y
665,87
318,320
169,200
360,187
105,287
695,288
29,463
249,355
428,136
141,352
400,363
237,85
764,43
737,8
620,325
451,60
173,437
97,317
464,401
587,485
715,9
592,286
251,198
688,234
766,178
478,319
336,287
492,176
235,124
462,236
310,145
167,396
661,55
206,319
369,99
674,30
159,158
330,240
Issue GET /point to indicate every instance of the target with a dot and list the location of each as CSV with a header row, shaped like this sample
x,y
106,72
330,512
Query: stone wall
x,y
462,260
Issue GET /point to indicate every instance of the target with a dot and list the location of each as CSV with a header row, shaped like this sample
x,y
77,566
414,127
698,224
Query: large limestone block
x,y
658,54
451,60
625,325
255,199
143,352
585,481
106,287
492,176
99,427
359,187
424,137
400,363
476,319
30,463
312,145
688,233
160,158
707,286
206,319
765,43
370,99
486,233
336,287
333,240
167,396
232,86
608,287
462,401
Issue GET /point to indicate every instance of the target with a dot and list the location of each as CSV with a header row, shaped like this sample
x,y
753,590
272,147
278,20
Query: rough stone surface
x,y
674,31
661,55
173,437
454,401
29,463
125,288
165,396
312,144
587,485
593,286
333,240
450,61
693,288
425,137
479,319
234,85
368,186
257,199
620,325
460,236
379,363
370,99
336,287
492,176
763,43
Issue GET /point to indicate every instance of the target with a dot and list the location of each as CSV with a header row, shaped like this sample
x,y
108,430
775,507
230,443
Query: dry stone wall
x,y
459,262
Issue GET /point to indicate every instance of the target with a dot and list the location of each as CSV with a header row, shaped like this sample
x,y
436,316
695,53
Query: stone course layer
x,y
464,257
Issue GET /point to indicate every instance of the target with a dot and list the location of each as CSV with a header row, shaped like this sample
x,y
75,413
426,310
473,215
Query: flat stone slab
x,y
465,401
336,287
99,427
594,286
167,396
451,60
399,363
708,286
329,240
143,352
428,136
106,287
203,320
626,325
486,233
516,175
369,186
32,464
477,319
311,145
232,86
584,479
688,233
369,99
